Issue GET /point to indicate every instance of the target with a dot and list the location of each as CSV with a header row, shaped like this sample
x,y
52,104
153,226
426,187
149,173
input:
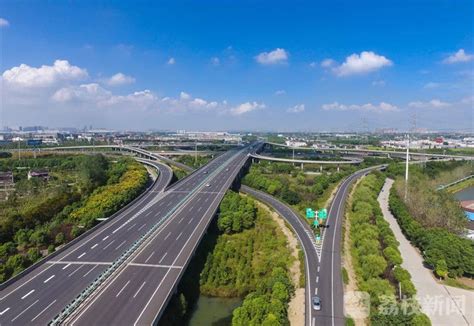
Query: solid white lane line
x,y
89,271
75,271
141,227
81,255
108,244
146,261
94,246
131,227
169,233
121,244
139,289
21,313
27,294
122,288
48,279
66,266
162,257
179,236
4,311
44,310
105,238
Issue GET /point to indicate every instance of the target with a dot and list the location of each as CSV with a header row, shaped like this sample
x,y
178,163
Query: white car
x,y
316,303
208,185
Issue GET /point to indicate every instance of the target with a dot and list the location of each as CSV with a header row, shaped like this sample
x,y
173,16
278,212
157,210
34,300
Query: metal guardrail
x,y
441,187
70,308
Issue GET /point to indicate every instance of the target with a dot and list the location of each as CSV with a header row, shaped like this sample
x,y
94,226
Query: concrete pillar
x,y
338,168
302,166
320,168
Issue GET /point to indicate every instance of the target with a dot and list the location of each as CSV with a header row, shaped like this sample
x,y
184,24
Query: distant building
x,y
6,180
41,174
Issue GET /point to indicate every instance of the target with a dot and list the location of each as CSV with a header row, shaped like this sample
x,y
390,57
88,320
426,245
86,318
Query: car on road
x,y
316,303
208,185
205,172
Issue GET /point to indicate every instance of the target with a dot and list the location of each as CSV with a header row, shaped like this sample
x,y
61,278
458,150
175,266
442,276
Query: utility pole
x,y
19,150
406,166
195,153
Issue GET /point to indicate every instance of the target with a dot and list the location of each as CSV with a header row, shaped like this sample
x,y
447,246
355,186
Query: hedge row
x,y
376,257
445,252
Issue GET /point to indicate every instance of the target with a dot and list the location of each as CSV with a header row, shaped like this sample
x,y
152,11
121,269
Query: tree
x,y
393,256
372,266
441,268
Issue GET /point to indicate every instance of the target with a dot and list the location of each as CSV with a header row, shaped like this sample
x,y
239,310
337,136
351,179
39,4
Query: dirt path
x,y
297,303
443,304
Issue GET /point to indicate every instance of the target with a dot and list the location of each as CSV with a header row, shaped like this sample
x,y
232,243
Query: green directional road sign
x,y
316,222
323,213
309,213
318,237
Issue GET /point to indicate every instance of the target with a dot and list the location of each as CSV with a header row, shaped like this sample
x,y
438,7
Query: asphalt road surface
x,y
138,294
40,295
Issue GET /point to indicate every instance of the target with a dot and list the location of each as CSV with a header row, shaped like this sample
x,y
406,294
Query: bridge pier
x,y
302,166
320,168
338,168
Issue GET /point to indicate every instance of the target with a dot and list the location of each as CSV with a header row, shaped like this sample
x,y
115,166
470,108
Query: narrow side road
x,y
444,305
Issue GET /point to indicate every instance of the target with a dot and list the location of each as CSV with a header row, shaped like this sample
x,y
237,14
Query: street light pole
x,y
406,166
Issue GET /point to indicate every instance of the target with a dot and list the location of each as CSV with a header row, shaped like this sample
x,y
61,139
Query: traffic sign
x,y
316,222
309,213
323,213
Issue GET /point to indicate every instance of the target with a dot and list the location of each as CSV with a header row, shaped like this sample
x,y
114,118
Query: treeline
x,y
249,260
377,260
110,198
191,160
291,185
446,252
40,216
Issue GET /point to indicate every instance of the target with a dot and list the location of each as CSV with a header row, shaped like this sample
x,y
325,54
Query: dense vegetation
x,y
192,161
376,258
249,260
433,220
293,186
443,250
41,215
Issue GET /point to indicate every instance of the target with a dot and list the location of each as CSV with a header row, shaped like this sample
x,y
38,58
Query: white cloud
x,y
379,108
25,76
431,85
366,62
460,56
280,92
433,104
327,63
378,83
85,92
184,96
273,57
246,108
171,61
215,61
313,64
120,79
4,22
296,109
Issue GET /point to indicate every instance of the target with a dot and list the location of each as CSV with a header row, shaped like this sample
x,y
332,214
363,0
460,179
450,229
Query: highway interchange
x,y
40,295
169,221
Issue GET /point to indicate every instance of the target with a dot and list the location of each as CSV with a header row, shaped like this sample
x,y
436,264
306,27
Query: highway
x,y
38,296
138,293
322,260
289,160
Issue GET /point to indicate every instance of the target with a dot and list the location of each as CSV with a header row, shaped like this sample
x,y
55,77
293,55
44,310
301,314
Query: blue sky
x,y
247,65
